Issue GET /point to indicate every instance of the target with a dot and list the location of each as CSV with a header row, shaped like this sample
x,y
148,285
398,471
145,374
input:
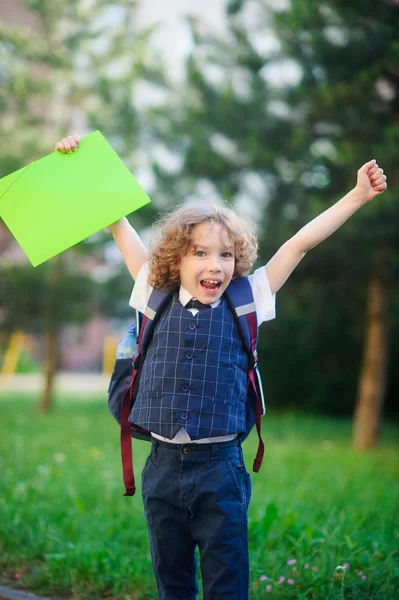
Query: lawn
x,y
67,531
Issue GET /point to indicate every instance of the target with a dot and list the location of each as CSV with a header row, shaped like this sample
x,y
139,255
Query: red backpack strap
x,y
157,303
253,329
126,427
239,296
126,440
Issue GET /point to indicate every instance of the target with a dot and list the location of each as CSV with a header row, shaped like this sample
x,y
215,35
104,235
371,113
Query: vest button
x,y
184,387
189,355
192,326
186,450
184,416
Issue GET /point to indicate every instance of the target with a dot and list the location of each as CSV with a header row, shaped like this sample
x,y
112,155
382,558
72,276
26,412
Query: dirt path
x,y
10,594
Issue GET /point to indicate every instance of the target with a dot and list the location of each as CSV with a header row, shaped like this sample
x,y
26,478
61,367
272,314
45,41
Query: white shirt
x,y
265,304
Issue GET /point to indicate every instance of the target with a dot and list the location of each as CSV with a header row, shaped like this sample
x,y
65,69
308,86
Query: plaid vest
x,y
194,375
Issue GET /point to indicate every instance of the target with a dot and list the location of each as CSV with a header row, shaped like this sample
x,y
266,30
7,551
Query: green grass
x,y
66,529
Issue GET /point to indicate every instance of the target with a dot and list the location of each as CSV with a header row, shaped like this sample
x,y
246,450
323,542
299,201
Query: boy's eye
x,y
227,255
200,253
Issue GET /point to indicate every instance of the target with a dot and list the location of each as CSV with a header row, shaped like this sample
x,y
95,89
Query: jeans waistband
x,y
194,449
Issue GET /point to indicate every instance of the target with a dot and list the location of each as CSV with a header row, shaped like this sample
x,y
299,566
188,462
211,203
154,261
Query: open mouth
x,y
211,285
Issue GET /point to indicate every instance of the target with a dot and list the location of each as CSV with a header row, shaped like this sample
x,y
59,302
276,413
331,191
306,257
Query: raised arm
x,y
371,182
127,239
133,251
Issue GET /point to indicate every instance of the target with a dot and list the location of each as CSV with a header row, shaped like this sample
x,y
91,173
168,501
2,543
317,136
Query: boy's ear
x,y
176,267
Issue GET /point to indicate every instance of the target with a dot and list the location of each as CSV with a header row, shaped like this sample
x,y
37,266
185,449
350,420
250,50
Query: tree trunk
x,y
51,333
51,348
372,384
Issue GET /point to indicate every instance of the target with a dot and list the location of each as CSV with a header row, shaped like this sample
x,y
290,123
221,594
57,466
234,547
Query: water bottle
x,y
128,346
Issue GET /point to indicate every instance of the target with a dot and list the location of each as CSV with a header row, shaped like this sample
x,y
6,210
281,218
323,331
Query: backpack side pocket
x,y
120,381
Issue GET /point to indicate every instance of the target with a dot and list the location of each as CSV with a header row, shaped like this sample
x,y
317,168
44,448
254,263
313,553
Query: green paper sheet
x,y
61,199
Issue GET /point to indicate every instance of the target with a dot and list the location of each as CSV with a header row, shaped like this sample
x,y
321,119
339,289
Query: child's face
x,y
207,268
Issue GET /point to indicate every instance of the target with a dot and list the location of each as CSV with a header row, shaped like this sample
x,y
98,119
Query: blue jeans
x,y
198,495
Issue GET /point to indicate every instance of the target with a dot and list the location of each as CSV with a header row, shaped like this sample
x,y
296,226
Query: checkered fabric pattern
x,y
194,375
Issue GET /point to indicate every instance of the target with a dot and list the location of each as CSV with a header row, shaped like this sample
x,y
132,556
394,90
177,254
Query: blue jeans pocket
x,y
248,487
148,466
238,475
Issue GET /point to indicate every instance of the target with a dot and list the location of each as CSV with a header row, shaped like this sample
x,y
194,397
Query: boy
x,y
191,396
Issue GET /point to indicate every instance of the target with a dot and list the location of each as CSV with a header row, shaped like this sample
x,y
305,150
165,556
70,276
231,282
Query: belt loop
x,y
155,444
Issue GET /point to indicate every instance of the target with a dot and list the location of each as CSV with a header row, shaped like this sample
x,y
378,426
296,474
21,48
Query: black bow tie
x,y
197,304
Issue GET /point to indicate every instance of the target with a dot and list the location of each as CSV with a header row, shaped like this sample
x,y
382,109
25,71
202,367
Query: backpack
x,y
125,379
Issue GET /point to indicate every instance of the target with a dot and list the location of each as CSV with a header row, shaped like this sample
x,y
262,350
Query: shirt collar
x,y
185,297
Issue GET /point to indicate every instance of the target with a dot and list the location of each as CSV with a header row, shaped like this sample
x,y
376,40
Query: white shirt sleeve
x,y
141,290
265,301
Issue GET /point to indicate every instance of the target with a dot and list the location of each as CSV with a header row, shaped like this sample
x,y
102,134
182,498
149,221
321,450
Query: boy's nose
x,y
214,266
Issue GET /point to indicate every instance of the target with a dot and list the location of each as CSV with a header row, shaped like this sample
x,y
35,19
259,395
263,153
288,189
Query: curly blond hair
x,y
175,234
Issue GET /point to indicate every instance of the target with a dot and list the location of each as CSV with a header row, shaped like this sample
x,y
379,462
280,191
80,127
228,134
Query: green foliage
x,y
76,69
285,151
66,529
26,296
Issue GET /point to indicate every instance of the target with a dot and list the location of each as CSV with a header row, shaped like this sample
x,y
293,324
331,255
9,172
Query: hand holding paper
x,y
69,144
61,199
